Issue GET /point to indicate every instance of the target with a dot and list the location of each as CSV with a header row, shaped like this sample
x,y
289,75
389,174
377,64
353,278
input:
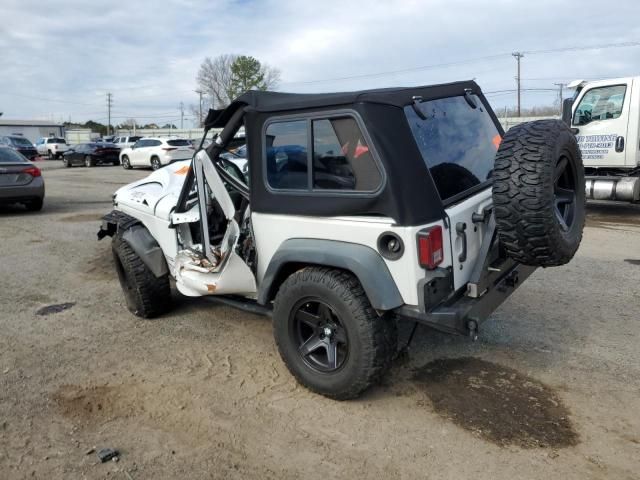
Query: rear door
x,y
601,120
458,140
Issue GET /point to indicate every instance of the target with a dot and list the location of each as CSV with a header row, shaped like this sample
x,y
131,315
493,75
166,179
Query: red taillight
x,y
33,171
430,251
167,149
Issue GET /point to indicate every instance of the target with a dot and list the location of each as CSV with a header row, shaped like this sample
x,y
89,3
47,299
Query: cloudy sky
x,y
60,58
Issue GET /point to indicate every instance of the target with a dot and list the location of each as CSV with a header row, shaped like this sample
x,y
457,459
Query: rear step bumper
x,y
463,314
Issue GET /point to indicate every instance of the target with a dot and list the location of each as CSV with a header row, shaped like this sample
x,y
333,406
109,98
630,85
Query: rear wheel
x,y
126,164
146,295
329,336
539,193
155,163
89,161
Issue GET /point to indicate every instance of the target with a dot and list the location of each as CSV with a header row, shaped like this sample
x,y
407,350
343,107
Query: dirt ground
x,y
550,389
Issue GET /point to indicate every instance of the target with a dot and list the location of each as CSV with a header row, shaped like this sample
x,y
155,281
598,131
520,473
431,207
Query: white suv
x,y
52,147
125,142
156,152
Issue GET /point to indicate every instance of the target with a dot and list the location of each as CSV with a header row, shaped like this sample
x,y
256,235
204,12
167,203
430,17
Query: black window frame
x,y
309,118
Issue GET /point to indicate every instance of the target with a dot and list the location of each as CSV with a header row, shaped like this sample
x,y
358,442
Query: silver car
x,y
20,180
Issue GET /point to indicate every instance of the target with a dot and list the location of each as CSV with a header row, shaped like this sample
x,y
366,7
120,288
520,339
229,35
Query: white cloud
x,y
147,53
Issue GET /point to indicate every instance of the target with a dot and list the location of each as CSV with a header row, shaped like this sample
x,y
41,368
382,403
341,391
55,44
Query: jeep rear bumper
x,y
462,314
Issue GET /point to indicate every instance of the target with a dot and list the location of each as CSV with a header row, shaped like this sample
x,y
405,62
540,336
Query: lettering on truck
x,y
596,147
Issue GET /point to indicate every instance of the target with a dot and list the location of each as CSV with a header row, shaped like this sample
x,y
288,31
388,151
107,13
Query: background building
x,y
31,129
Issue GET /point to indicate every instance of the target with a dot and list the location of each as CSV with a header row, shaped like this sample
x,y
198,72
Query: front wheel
x,y
50,155
126,164
65,162
89,161
146,295
329,335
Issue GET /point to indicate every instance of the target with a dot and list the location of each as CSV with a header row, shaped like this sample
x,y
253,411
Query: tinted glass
x,y
153,143
602,103
286,144
11,156
21,142
179,143
133,139
457,142
56,140
341,157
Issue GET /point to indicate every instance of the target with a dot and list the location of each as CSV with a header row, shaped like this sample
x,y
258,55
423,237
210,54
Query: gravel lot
x,y
550,390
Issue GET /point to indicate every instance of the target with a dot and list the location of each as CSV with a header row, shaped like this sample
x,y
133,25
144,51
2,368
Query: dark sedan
x,y
20,180
20,145
91,154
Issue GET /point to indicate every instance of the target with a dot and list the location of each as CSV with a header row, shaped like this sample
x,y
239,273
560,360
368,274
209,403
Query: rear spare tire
x,y
146,295
539,193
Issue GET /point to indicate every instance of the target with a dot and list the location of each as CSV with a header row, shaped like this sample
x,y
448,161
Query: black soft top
x,y
266,101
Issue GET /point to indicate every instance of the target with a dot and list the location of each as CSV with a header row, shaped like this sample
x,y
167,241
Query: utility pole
x,y
518,56
181,115
199,92
560,86
109,104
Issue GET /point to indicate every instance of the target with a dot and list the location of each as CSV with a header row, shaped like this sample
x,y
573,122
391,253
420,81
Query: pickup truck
x,y
52,147
604,115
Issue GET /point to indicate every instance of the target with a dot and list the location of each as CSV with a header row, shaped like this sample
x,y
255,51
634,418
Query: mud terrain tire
x,y
539,193
371,339
146,295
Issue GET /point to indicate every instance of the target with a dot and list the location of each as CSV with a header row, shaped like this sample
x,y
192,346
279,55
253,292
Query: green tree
x,y
246,74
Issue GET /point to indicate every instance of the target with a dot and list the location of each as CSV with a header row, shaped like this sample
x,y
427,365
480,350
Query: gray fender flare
x,y
364,262
146,247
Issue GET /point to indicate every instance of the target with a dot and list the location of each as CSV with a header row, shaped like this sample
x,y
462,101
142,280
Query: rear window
x,y
132,139
179,143
20,142
56,140
457,142
11,156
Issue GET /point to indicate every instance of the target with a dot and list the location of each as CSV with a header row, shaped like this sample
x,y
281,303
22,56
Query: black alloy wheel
x,y
564,193
321,338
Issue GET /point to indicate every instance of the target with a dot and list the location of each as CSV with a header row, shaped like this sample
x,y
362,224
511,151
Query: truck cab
x,y
605,117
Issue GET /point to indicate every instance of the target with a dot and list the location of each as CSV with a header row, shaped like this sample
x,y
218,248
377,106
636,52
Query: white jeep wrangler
x,y
357,209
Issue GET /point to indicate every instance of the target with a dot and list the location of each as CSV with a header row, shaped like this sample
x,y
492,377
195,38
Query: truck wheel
x,y
49,155
329,336
146,295
539,193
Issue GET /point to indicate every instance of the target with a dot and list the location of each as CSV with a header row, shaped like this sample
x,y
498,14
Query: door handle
x,y
620,144
461,228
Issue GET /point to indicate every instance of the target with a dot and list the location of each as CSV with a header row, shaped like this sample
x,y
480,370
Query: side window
x,y
601,103
286,144
153,143
341,157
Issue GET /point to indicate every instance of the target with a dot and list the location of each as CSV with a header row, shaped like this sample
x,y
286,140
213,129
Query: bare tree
x,y
216,78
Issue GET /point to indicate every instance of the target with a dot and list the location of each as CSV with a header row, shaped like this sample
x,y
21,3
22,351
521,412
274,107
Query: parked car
x,y
52,147
125,142
21,145
108,138
156,152
20,180
91,154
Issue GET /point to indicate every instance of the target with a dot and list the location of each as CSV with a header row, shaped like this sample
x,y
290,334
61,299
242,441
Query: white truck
x,y
605,117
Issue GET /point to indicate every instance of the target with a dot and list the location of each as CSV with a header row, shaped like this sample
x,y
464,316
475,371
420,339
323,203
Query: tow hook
x,y
472,326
